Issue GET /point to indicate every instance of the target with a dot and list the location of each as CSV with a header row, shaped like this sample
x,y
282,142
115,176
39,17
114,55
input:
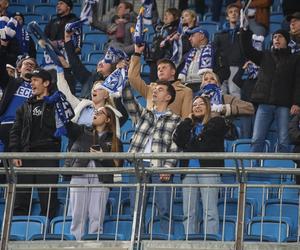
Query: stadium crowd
x,y
200,91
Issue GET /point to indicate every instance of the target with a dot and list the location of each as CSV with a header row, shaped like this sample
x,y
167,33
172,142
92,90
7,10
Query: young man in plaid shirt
x,y
154,130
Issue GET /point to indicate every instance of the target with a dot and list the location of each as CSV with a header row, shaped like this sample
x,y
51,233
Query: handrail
x,y
133,156
12,171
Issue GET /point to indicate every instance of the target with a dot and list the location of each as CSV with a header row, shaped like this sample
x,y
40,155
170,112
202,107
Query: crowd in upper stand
x,y
192,98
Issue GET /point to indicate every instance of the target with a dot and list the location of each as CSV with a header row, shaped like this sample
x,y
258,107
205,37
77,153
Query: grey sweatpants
x,y
87,204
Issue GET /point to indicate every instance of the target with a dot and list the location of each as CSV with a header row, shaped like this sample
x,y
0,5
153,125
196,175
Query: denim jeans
x,y
162,201
191,202
265,115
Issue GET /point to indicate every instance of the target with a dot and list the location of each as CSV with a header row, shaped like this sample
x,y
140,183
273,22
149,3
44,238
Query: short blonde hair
x,y
216,77
191,12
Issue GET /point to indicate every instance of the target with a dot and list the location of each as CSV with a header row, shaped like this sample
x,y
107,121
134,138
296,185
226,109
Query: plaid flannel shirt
x,y
147,125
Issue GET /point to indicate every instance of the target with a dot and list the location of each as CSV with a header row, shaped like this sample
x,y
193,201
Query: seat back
x,y
269,226
26,226
61,225
121,225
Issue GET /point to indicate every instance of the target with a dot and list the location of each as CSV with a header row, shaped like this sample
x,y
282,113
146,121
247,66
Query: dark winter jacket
x,y
21,134
279,75
85,138
55,29
227,42
9,85
211,139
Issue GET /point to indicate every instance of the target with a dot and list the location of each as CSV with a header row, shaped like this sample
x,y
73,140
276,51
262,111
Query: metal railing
x,y
229,191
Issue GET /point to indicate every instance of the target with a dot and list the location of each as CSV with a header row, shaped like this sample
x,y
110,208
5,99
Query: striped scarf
x,y
213,92
205,62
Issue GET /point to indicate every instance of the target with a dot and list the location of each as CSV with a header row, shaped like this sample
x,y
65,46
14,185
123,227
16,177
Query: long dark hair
x,y
111,127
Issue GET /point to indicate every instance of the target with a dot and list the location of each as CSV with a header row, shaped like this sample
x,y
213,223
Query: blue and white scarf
x,y
63,112
86,14
116,81
251,71
147,17
294,47
139,32
213,92
114,55
177,45
205,61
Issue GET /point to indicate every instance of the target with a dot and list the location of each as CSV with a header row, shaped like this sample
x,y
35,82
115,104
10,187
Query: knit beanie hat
x,y
67,2
283,32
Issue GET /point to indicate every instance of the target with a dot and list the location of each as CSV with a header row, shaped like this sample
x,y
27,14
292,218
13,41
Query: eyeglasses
x,y
196,104
33,65
100,112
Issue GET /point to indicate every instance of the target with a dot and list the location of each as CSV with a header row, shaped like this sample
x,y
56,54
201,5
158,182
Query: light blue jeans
x,y
191,202
265,115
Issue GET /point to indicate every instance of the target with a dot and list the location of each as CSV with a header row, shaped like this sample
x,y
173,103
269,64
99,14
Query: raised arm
x,y
133,108
63,86
134,71
249,51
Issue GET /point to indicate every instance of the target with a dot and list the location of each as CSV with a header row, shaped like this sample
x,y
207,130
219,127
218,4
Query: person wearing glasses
x,y
89,204
201,133
15,90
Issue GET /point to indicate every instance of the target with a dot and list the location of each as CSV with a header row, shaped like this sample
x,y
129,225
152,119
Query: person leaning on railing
x,y
201,133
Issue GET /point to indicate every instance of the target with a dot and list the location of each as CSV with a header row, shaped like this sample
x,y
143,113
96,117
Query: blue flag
x,y
139,31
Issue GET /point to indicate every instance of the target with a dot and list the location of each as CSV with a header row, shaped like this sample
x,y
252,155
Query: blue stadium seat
x,y
284,208
121,225
95,56
18,7
87,48
61,225
276,17
279,164
26,226
226,228
46,10
176,224
261,238
271,226
288,193
33,17
229,207
244,145
257,194
95,37
51,237
211,27
76,9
